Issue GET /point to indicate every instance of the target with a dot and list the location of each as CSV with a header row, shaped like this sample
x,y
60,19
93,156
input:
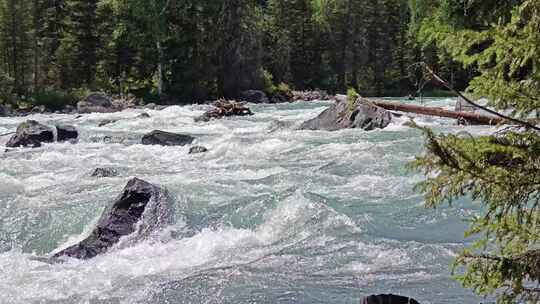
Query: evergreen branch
x,y
450,87
532,290
519,259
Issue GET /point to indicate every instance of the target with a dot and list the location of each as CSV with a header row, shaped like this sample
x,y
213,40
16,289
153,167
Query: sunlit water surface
x,y
269,215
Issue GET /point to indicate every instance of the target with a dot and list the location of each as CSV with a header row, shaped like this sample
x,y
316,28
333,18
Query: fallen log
x,y
464,117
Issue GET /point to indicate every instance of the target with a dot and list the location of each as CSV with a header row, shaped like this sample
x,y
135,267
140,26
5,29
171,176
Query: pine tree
x,y
16,42
79,44
240,51
501,170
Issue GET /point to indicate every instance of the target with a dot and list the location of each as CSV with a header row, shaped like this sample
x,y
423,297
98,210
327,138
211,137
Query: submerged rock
x,y
197,150
106,122
104,172
344,114
163,138
141,208
66,132
95,103
143,115
388,299
254,96
31,134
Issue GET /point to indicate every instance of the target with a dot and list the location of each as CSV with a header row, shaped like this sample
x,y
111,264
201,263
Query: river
x,y
269,215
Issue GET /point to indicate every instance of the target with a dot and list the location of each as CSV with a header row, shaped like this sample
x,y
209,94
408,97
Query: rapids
x,y
268,215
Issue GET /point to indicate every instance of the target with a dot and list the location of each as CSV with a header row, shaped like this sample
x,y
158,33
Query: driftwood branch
x,y
469,117
446,84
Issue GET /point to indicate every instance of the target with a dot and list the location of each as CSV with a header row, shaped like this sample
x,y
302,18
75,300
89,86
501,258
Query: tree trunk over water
x,y
466,117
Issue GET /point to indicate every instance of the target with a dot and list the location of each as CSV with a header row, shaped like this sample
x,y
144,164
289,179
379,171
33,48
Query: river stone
x,y
150,106
388,299
163,138
66,132
105,122
31,134
104,172
38,110
143,115
197,150
361,114
141,208
254,96
95,103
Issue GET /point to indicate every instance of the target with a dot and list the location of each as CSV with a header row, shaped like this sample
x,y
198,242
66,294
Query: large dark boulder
x,y
388,299
66,132
280,98
163,138
141,208
361,114
31,134
96,103
254,96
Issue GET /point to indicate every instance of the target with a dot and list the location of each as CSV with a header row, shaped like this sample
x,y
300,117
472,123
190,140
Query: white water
x,y
269,215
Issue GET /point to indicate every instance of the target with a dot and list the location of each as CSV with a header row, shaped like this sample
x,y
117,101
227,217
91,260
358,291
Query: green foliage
x,y
352,95
196,50
352,98
268,83
508,81
501,171
284,89
53,100
6,88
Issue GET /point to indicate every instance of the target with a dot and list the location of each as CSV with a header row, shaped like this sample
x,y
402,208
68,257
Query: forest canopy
x,y
192,51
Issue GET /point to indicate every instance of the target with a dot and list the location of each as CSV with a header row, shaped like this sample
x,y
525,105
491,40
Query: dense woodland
x,y
191,51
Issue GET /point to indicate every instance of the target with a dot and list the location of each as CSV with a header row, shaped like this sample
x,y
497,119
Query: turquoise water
x,y
269,215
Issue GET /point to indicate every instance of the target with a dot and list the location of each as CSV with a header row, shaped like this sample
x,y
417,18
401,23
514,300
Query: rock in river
x,y
141,208
254,96
96,103
31,134
104,172
66,132
345,114
143,115
388,299
197,150
166,139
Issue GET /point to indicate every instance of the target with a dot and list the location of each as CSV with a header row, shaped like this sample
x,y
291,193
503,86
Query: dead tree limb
x,y
469,117
505,118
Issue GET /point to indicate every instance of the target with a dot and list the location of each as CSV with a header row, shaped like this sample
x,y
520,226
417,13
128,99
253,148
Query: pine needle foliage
x,y
500,171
